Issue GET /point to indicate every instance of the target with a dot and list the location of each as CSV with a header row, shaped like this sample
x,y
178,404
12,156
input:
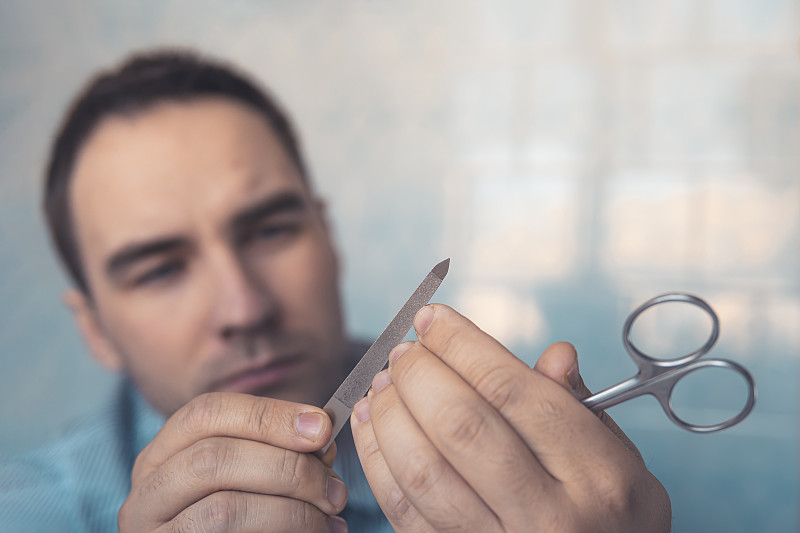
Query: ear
x,y
91,329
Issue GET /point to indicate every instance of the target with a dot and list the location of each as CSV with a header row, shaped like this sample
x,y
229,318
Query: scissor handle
x,y
662,389
659,376
646,362
661,385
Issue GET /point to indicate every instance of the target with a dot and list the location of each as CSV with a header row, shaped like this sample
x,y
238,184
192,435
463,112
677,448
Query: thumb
x,y
559,362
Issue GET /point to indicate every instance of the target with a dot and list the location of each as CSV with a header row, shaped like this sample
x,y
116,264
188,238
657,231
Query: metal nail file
x,y
356,385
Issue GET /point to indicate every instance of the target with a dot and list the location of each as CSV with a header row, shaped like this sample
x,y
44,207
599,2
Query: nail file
x,y
357,383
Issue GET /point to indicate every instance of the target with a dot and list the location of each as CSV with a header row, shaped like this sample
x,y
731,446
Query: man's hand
x,y
460,435
233,462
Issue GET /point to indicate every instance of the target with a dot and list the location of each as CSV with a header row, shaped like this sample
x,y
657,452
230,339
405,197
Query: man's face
x,y
209,262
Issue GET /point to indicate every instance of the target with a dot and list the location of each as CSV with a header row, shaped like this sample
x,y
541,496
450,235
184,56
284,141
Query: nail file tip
x,y
441,269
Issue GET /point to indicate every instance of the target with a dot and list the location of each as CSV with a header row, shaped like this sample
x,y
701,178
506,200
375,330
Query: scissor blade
x,y
356,385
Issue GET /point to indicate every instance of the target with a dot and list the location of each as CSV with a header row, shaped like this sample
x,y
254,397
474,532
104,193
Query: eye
x,y
161,273
269,232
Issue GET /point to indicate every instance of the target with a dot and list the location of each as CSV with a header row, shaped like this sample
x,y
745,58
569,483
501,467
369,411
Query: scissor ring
x,y
664,298
733,420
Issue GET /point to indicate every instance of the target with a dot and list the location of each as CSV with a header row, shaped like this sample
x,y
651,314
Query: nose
x,y
243,303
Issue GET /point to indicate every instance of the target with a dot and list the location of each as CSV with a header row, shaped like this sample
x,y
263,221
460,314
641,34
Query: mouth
x,y
261,379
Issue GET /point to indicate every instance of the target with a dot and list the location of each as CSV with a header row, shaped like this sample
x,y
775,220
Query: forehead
x,y
174,167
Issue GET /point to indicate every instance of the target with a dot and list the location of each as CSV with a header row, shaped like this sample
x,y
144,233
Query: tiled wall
x,y
573,158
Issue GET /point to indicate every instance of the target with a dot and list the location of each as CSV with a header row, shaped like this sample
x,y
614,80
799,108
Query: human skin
x,y
213,285
460,435
240,276
212,274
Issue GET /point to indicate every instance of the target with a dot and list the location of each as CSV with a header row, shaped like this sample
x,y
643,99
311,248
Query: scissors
x,y
659,376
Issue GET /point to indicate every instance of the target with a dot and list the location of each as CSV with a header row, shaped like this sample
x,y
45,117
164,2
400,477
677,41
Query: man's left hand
x,y
460,435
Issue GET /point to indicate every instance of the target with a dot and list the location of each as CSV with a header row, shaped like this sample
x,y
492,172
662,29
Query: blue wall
x,y
574,158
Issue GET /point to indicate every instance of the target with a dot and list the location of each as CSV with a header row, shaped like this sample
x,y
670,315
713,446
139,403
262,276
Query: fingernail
x,y
399,350
361,409
423,320
338,525
337,492
380,380
574,376
310,425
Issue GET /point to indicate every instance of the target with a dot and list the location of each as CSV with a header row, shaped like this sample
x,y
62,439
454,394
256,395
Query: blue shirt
x,y
79,482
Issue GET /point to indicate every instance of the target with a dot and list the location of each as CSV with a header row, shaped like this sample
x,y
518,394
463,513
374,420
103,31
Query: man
x,y
205,274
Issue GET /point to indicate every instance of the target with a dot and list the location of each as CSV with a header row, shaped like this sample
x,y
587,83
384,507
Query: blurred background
x,y
573,158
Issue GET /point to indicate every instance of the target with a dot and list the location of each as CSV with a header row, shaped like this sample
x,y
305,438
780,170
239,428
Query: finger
x,y
220,463
289,425
393,502
330,456
559,362
243,512
474,438
583,392
565,436
429,482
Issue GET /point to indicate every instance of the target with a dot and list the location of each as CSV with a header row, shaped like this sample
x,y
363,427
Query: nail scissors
x,y
658,377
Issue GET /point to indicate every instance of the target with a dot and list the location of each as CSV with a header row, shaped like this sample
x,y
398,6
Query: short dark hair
x,y
140,82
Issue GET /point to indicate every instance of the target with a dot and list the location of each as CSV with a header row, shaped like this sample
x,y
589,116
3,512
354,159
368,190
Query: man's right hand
x,y
234,462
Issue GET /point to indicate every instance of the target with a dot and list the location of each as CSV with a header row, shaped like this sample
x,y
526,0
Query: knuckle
x,y
152,483
503,387
263,416
515,478
397,508
393,501
614,489
369,451
461,425
306,514
550,417
452,339
130,516
217,513
382,405
183,524
621,495
201,413
617,431
292,470
125,516
420,474
550,414
140,464
208,459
